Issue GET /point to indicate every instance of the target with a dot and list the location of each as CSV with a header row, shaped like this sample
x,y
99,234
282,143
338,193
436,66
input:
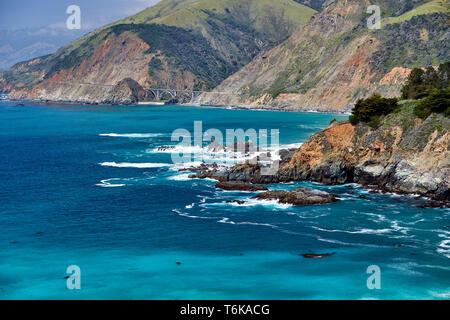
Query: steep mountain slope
x,y
177,44
335,59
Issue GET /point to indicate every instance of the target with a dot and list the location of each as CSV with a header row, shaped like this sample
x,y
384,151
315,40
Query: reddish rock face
x,y
101,78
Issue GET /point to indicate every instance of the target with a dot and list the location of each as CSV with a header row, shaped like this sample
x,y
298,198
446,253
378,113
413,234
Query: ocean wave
x,y
134,165
440,295
360,231
181,177
228,221
250,203
106,184
183,214
185,165
177,149
444,248
357,244
222,157
132,135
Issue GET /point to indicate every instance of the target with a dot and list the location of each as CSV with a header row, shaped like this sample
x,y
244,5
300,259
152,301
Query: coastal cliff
x,y
404,154
176,44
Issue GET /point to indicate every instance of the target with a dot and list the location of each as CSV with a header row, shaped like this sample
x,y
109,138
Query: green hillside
x,y
426,8
212,39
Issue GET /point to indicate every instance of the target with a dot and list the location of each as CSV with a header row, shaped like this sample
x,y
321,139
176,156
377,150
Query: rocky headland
x,y
403,154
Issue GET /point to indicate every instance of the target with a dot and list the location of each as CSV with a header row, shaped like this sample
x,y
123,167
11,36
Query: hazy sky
x,y
21,14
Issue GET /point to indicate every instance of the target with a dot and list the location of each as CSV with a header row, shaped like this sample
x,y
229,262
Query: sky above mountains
x,y
30,28
22,14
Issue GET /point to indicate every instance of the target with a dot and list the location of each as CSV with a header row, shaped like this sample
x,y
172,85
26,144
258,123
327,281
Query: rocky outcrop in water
x,y
298,197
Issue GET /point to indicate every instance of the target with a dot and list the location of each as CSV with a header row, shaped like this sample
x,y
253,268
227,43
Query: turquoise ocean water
x,y
86,186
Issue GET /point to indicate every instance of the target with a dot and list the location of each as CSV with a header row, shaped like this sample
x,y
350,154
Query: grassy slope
x,y
189,13
217,19
291,80
426,8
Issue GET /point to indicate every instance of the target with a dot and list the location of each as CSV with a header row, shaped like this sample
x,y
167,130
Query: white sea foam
x,y
440,295
444,248
134,165
177,149
360,231
132,135
252,203
222,157
351,244
182,214
228,221
181,177
107,184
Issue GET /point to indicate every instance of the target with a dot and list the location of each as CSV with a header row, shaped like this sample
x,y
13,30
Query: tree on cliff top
x,y
437,102
370,110
421,83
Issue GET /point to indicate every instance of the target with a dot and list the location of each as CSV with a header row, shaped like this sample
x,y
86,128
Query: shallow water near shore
x,y
86,186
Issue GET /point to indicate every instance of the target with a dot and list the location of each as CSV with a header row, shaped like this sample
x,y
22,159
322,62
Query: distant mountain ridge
x,y
265,54
177,44
334,60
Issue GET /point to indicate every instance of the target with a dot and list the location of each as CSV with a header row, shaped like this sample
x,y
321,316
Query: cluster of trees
x,y
371,110
422,83
403,44
431,86
437,102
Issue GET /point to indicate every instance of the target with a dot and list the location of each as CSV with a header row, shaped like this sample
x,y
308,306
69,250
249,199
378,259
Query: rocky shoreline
x,y
345,111
404,155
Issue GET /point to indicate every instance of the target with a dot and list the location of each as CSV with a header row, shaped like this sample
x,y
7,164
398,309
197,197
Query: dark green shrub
x,y
155,65
437,102
421,83
371,109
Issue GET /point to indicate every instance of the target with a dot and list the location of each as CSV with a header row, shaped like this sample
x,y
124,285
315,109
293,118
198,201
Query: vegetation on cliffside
x,y
431,86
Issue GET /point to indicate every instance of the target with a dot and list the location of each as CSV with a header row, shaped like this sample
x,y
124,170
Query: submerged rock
x,y
298,197
239,186
165,148
240,202
317,256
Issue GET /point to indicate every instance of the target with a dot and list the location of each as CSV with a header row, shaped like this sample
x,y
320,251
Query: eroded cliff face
x,y
117,58
174,44
333,61
405,155
97,79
